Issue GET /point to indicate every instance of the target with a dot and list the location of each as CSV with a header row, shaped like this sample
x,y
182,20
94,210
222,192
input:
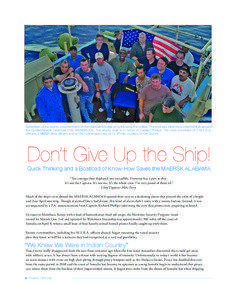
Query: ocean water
x,y
45,36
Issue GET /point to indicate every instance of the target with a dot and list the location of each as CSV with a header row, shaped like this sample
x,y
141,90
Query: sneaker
x,y
108,119
101,110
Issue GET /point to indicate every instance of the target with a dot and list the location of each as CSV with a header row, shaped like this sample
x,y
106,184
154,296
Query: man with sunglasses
x,y
165,112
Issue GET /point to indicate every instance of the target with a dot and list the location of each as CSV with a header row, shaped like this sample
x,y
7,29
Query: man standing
x,y
141,80
165,73
178,63
182,87
74,58
139,48
106,78
150,95
49,101
117,43
165,112
90,77
90,51
189,59
122,64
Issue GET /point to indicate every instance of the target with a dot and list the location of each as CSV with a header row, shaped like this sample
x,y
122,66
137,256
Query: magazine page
x,y
122,197
120,168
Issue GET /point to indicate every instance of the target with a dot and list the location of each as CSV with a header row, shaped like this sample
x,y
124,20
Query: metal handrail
x,y
179,31
168,38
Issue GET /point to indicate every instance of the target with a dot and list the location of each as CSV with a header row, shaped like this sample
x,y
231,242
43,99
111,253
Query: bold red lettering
x,y
175,152
200,154
80,154
130,156
47,155
102,155
162,155
33,153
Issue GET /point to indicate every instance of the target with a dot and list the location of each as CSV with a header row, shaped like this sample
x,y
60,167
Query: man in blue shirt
x,y
149,60
49,101
74,59
165,73
117,42
89,76
90,51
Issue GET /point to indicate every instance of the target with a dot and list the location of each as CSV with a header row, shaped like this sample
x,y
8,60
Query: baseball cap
x,y
98,55
169,102
185,68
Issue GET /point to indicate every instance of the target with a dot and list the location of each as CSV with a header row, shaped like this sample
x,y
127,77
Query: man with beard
x,y
182,87
49,101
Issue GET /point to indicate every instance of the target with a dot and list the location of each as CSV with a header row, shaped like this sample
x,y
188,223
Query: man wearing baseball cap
x,y
107,78
165,112
182,86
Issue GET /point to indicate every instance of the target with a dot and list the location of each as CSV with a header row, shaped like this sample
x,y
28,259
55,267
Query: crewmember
x,y
107,78
49,101
165,112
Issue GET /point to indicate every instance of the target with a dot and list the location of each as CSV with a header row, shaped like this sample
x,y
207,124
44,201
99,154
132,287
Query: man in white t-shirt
x,y
189,59
182,87
107,78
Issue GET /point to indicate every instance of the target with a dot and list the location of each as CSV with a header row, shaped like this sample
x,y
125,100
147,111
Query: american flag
x,y
163,47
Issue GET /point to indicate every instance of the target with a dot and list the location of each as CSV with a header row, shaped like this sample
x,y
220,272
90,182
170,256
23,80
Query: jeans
x,y
86,106
106,102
